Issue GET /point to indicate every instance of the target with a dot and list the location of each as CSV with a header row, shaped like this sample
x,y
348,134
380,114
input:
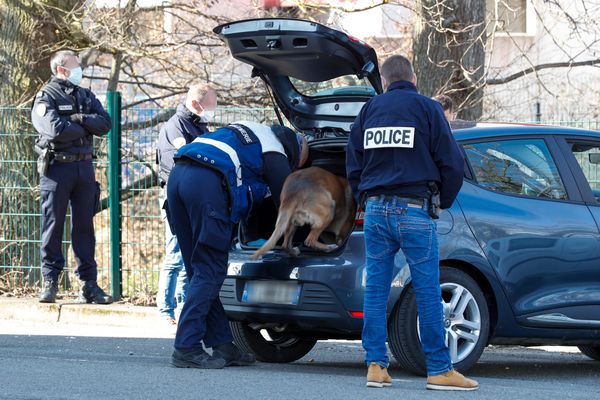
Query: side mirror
x,y
594,158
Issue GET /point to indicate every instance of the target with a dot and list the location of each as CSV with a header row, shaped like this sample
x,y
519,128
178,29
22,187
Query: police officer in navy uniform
x,y
190,121
215,182
401,148
67,117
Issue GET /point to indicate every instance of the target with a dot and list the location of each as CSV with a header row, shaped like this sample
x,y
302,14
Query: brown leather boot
x,y
451,380
378,377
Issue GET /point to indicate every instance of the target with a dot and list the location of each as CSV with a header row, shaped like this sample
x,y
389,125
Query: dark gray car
x,y
519,249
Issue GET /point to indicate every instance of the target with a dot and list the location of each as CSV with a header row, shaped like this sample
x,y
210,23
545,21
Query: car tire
x,y
469,340
592,351
279,348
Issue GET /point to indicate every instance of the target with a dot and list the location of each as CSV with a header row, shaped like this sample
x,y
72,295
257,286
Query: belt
x,y
410,202
70,157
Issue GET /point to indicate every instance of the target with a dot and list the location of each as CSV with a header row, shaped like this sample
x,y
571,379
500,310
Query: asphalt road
x,y
59,361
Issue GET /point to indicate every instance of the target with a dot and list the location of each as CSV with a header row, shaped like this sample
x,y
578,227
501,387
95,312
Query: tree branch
x,y
567,64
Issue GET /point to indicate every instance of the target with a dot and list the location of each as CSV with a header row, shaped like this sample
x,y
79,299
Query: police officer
x,y
67,117
447,105
399,146
216,180
189,122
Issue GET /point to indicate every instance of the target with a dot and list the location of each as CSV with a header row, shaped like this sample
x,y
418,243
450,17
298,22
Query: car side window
x,y
588,158
523,167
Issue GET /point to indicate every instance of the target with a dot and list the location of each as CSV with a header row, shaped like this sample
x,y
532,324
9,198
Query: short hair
x,y
445,101
198,92
60,58
397,68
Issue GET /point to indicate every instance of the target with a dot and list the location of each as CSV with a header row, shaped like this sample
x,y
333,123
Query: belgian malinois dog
x,y
315,197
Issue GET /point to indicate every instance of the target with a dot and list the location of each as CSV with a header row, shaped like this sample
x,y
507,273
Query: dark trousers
x,y
72,182
198,211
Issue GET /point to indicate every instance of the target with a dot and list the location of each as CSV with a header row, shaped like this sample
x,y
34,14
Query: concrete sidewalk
x,y
68,312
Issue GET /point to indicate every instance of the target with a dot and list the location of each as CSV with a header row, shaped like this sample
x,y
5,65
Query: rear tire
x,y
592,351
275,348
468,330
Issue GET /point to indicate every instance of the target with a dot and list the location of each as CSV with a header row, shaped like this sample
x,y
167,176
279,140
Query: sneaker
x,y
232,355
92,293
49,292
195,358
451,380
377,376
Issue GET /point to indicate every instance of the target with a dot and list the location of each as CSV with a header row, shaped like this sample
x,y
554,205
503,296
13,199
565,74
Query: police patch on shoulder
x,y
244,134
40,109
389,136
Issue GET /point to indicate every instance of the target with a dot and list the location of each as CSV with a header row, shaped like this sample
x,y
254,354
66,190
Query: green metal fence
x,y
129,229
137,256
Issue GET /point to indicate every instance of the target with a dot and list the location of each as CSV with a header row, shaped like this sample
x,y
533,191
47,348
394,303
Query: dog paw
x,y
331,247
294,252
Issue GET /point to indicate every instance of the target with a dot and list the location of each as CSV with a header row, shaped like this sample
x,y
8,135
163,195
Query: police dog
x,y
318,198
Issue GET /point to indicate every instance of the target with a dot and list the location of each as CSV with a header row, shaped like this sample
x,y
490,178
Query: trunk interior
x,y
327,153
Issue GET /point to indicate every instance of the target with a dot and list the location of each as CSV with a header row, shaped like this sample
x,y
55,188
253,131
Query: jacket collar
x,y
187,115
64,84
402,85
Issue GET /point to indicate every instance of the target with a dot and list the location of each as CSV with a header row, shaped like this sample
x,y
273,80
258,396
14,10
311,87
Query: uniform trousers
x,y
199,211
68,182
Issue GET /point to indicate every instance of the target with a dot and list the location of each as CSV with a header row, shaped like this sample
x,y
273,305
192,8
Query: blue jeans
x,y
392,225
172,281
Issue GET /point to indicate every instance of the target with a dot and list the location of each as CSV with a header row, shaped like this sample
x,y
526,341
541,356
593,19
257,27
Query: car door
x,y
531,221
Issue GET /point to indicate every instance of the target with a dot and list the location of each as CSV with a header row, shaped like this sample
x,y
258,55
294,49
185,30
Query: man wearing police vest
x,y
214,184
403,162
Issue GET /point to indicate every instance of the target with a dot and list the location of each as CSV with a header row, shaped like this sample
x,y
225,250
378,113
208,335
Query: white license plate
x,y
273,292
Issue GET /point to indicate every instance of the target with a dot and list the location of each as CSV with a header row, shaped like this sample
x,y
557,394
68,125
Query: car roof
x,y
464,130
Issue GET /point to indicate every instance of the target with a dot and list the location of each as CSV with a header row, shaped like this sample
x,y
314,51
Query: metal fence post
x,y
114,190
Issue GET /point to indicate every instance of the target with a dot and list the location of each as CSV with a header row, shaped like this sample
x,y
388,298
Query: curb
x,y
122,315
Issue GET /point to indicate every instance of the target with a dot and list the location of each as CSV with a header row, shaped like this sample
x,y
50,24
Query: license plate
x,y
273,292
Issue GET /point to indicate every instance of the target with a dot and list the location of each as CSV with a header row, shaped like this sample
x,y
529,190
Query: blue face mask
x,y
75,76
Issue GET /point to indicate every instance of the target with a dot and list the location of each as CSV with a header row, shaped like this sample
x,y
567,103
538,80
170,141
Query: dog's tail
x,y
283,220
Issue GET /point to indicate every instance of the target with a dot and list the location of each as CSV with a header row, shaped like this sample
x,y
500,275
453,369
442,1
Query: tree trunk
x,y
448,48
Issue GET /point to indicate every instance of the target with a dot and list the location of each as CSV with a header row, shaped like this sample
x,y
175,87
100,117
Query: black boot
x,y
92,293
195,358
232,355
49,292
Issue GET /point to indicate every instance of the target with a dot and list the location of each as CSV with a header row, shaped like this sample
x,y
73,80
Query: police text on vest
x,y
389,136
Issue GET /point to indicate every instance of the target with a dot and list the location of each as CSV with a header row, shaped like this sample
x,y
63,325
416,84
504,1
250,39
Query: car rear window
x,y
343,85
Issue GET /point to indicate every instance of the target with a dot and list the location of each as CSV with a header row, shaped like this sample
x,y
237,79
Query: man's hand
x,y
77,118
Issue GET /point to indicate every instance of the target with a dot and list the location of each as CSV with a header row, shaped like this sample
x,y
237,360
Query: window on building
x,y
508,16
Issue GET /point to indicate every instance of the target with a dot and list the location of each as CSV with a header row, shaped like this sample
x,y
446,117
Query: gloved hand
x,y
77,118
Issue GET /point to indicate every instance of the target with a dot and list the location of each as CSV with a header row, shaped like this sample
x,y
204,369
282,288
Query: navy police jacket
x,y
51,111
252,158
399,142
185,125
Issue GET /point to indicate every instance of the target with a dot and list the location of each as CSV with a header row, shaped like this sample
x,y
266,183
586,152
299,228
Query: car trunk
x,y
327,153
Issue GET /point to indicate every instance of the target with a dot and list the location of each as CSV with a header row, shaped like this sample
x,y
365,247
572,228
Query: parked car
x,y
519,248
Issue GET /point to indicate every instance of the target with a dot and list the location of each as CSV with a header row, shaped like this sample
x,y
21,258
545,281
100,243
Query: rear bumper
x,y
318,310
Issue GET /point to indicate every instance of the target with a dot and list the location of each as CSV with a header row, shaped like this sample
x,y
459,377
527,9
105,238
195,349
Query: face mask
x,y
208,115
75,76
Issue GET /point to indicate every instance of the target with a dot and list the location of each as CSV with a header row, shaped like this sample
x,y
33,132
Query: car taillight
x,y
357,40
357,314
360,218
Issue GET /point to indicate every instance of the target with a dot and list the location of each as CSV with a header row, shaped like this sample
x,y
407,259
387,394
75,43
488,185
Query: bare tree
x,y
448,51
